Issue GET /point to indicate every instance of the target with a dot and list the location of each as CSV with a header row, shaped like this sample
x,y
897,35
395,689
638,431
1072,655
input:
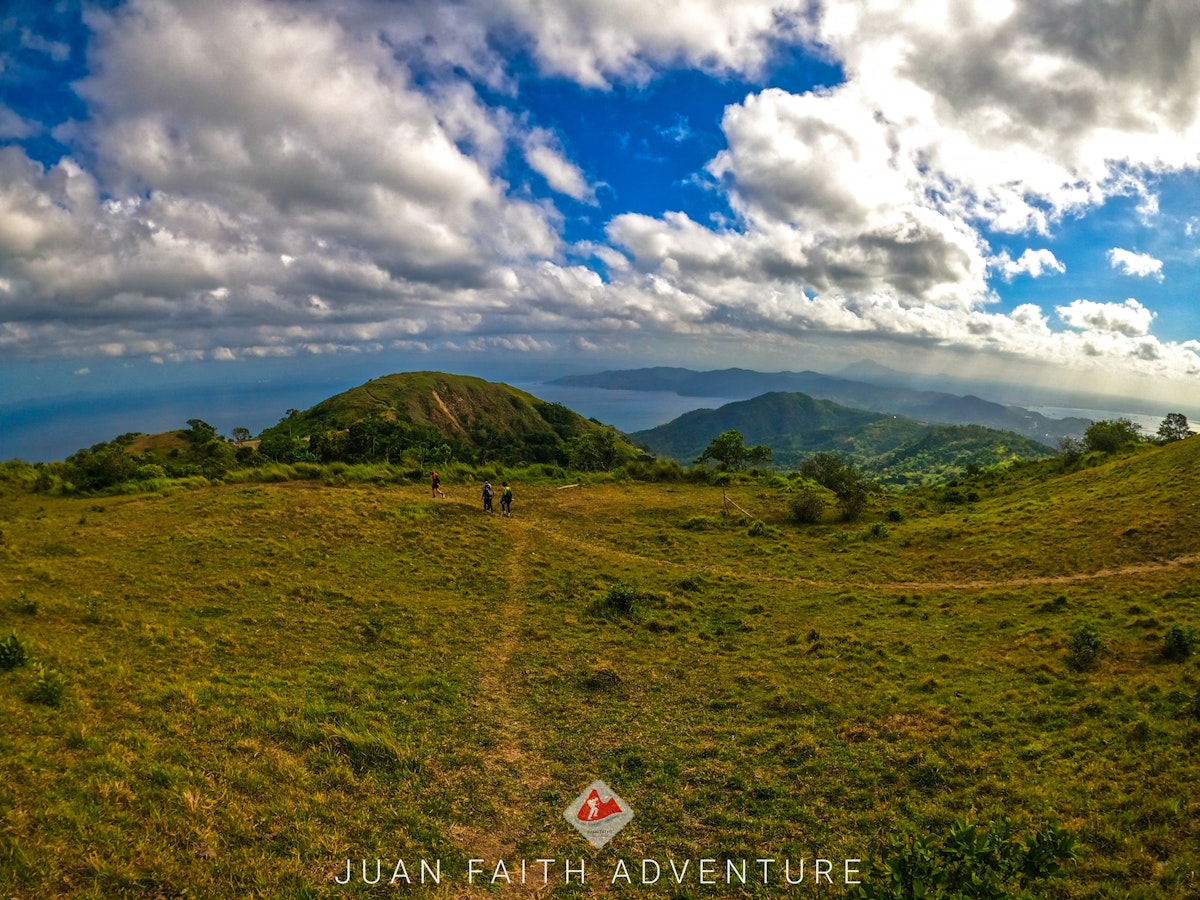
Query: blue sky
x,y
264,191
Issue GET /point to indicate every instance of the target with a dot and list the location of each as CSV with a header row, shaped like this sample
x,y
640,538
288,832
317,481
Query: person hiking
x,y
488,493
506,500
436,481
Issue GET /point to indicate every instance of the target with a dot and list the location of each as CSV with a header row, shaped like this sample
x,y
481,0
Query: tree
x,y
1071,449
241,435
840,476
729,451
200,432
101,466
593,451
1174,428
1111,435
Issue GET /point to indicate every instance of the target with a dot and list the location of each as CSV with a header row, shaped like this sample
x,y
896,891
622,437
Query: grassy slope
x,y
265,680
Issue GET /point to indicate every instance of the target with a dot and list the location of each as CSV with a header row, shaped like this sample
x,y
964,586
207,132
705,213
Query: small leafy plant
x,y
968,863
26,606
12,653
1179,642
48,687
621,600
1084,648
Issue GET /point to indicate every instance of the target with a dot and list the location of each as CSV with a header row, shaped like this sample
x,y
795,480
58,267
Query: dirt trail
x,y
512,772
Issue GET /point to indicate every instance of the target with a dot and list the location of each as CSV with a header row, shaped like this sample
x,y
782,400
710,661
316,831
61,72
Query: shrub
x,y
894,515
1084,647
1191,709
654,470
371,630
12,653
25,605
48,687
1111,435
806,507
1179,642
878,530
968,863
757,527
94,610
620,600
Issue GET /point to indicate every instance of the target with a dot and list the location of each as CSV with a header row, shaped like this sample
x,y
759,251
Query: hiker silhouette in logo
x,y
594,808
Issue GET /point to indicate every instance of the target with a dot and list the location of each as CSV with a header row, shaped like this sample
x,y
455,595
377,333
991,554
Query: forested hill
x,y
473,418
894,449
931,406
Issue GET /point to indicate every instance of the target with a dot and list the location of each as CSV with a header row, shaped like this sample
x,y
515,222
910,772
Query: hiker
x,y
506,500
488,493
437,485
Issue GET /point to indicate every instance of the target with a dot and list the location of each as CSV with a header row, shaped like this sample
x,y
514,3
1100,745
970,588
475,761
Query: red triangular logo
x,y
594,809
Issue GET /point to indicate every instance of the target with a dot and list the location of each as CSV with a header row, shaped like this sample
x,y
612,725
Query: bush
x,y
757,528
968,864
1191,709
621,600
654,470
806,507
894,515
12,653
48,687
1084,648
1179,642
1111,435
878,530
25,605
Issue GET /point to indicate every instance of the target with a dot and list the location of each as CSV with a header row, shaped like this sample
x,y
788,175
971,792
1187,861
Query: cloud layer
x,y
265,178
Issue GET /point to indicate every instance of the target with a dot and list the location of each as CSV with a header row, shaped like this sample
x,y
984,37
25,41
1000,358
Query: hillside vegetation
x,y
896,450
462,417
232,691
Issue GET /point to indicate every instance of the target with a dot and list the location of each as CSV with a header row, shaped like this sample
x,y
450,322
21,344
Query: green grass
x,y
260,681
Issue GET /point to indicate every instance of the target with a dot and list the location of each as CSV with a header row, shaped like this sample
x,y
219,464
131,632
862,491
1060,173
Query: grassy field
x,y
243,687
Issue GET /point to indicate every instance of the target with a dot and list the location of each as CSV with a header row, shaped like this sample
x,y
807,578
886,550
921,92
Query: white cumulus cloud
x,y
1141,265
1130,318
1033,263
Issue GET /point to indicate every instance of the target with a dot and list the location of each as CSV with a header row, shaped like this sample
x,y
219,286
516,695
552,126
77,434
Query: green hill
x,y
895,449
475,419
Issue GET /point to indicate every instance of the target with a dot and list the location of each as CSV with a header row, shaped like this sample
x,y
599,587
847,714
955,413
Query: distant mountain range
x,y
897,450
924,406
